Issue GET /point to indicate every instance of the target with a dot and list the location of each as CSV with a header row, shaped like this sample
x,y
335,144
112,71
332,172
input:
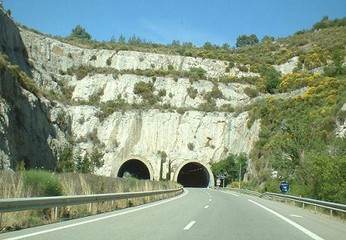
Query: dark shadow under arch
x,y
134,168
193,174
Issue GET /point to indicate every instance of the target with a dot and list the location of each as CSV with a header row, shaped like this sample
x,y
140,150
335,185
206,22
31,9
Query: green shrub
x,y
227,107
251,92
192,92
109,61
197,74
216,92
81,72
208,106
162,93
143,89
181,110
191,146
42,183
271,78
243,68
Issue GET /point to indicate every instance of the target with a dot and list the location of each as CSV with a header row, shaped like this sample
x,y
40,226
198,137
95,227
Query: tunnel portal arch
x,y
194,174
135,168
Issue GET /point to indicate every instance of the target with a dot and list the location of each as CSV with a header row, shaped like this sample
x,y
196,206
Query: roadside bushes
x,y
41,183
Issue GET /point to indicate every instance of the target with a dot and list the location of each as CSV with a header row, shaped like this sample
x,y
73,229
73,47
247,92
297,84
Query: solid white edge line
x,y
97,219
188,226
297,216
232,194
227,192
296,225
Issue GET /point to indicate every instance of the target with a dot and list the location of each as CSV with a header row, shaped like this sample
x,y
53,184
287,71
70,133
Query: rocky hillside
x,y
106,99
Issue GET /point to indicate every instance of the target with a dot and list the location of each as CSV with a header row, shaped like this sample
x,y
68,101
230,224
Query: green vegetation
x,y
41,183
331,35
297,137
18,75
327,23
75,162
191,146
245,40
82,71
80,33
233,167
146,91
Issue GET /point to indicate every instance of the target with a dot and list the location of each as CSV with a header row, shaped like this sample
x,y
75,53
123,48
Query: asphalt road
x,y
197,214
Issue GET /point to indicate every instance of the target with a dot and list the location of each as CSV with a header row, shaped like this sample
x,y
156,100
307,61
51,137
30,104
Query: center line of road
x,y
188,226
296,225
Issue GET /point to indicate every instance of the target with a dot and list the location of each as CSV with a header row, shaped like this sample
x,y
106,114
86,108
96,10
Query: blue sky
x,y
161,21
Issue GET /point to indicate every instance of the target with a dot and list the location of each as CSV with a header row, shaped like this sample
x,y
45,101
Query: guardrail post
x,y
55,213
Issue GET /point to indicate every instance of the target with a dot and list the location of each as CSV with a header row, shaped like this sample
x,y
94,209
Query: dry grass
x,y
12,185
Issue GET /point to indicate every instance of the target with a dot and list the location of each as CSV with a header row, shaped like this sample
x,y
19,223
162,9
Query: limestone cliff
x,y
25,131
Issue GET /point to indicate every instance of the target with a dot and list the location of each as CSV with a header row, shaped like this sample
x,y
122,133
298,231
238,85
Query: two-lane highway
x,y
197,214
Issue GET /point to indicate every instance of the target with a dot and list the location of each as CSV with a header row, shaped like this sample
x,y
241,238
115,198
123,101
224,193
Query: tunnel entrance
x,y
193,175
134,168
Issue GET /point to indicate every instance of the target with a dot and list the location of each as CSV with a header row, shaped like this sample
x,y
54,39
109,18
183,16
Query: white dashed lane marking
x,y
188,226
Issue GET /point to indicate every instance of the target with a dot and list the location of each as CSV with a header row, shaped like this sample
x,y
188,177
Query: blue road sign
x,y
284,187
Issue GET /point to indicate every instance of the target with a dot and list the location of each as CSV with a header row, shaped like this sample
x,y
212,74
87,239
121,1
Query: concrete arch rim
x,y
145,162
211,176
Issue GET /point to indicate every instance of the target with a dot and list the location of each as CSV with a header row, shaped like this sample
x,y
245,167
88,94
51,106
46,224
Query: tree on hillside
x,y
122,39
208,46
65,161
271,78
327,23
80,32
96,160
268,39
244,40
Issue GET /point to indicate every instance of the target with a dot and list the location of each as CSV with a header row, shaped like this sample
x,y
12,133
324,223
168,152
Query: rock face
x,y
25,131
11,43
180,123
287,67
341,125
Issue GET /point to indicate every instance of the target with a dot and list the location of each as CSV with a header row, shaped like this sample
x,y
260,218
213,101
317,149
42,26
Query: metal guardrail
x,y
338,207
246,191
19,204
308,201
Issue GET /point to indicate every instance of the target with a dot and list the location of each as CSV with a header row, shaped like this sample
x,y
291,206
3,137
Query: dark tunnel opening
x,y
134,168
193,175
